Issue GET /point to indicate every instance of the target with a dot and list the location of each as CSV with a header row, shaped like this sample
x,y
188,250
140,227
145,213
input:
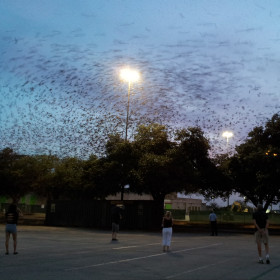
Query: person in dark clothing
x,y
11,216
116,217
261,223
213,223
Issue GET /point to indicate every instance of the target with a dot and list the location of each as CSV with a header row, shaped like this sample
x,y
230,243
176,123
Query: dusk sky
x,y
207,63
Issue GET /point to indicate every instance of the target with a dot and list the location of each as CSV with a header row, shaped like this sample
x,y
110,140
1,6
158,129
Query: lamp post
x,y
130,76
227,135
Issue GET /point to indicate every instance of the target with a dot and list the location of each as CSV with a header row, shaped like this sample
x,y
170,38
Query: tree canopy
x,y
255,168
155,163
165,165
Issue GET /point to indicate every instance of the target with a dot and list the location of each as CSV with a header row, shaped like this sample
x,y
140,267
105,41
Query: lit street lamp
x,y
130,76
227,135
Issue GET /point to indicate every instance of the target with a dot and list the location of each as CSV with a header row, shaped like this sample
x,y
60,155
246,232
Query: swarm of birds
x,y
61,93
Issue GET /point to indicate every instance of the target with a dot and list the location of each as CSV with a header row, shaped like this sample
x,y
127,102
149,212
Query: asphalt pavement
x,y
74,253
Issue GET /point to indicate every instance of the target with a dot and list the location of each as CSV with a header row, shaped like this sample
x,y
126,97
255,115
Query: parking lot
x,y
75,253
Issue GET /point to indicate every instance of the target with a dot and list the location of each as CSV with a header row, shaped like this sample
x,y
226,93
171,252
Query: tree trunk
x,y
159,209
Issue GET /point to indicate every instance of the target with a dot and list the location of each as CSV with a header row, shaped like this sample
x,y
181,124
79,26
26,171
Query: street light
x,y
227,135
130,76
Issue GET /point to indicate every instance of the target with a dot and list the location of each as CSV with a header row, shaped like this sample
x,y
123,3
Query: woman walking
x,y
11,227
167,224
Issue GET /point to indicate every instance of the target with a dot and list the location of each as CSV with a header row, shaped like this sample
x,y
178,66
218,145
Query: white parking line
x,y
135,246
152,244
140,258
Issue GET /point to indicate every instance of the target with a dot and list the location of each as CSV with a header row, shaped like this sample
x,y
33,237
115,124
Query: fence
x,y
24,208
231,217
178,214
136,214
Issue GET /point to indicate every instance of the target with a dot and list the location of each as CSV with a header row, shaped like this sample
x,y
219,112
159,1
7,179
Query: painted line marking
x,y
135,246
195,269
140,258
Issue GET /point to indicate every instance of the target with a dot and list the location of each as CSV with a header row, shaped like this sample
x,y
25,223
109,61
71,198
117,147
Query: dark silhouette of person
x,y
261,223
213,223
11,217
116,217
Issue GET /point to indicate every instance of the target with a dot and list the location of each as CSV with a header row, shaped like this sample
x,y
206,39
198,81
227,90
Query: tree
x,y
100,177
17,174
219,183
200,171
123,157
44,168
21,174
255,169
166,166
67,179
152,171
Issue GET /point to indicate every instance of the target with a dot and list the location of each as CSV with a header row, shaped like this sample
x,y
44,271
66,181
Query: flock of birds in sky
x,y
60,86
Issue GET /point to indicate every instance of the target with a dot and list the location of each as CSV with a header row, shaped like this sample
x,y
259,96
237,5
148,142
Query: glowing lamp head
x,y
227,134
129,75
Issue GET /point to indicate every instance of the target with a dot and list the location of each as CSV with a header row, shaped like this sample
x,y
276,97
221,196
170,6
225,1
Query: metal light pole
x,y
227,135
128,75
127,109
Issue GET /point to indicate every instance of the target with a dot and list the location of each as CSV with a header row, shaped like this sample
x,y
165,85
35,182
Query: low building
x,y
172,201
130,196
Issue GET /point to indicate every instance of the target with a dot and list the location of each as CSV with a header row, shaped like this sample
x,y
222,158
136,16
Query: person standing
x,y
167,224
213,223
116,217
11,217
261,223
